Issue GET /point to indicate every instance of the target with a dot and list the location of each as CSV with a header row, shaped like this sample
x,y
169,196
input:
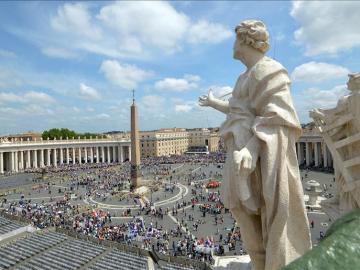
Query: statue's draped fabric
x,y
262,97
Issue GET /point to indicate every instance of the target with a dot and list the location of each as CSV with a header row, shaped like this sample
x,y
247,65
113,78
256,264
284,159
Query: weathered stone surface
x,y
262,186
340,129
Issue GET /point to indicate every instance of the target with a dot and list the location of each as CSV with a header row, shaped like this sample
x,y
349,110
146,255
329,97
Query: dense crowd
x,y
100,180
43,215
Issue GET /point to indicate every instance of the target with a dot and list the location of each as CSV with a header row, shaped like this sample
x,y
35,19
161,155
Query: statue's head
x,y
353,83
251,33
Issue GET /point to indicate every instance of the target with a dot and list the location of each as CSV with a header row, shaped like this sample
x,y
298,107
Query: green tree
x,y
67,133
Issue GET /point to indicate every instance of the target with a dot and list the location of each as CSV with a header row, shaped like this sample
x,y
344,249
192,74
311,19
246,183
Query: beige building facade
x,y
164,142
311,149
174,141
29,136
25,154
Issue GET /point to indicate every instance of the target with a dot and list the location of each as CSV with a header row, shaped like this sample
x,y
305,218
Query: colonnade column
x,y
97,154
42,158
108,154
299,153
316,154
129,153
61,155
67,156
91,154
28,164
113,154
80,155
73,155
54,158
102,154
21,160
325,156
48,159
16,163
120,154
307,150
35,159
1,162
12,161
85,154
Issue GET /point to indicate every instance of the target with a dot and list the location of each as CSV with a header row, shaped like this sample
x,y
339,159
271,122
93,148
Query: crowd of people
x,y
97,180
43,215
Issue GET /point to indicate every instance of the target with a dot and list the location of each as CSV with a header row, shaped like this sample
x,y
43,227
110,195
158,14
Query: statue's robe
x,y
276,185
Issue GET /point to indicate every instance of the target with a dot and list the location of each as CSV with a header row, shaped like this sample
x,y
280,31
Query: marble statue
x,y
340,128
262,186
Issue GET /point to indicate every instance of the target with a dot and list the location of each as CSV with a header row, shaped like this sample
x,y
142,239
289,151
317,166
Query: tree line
x,y
57,133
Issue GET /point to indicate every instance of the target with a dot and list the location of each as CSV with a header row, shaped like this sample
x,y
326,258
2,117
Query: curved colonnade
x,y
19,156
313,152
23,155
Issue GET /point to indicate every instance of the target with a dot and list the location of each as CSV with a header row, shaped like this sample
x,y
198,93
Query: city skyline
x,y
66,64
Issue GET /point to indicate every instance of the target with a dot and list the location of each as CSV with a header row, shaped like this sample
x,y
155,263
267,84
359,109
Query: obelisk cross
x,y
133,93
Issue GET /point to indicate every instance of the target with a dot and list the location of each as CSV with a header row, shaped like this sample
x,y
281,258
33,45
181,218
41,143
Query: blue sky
x,y
73,64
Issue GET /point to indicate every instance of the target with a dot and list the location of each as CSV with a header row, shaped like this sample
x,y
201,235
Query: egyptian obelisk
x,y
135,147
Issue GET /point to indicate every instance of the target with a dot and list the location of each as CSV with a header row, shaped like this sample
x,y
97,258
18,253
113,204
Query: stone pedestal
x,y
232,262
313,190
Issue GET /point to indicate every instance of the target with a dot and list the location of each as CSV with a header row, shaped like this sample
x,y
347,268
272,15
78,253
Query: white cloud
x,y
324,98
152,102
124,29
11,111
28,97
327,27
315,72
123,75
88,92
206,32
192,78
183,108
102,116
220,91
158,24
76,109
38,98
10,97
188,82
75,19
6,53
146,24
9,78
311,98
58,52
35,109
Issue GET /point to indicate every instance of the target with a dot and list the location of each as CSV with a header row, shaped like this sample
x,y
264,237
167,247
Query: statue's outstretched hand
x,y
206,100
243,161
